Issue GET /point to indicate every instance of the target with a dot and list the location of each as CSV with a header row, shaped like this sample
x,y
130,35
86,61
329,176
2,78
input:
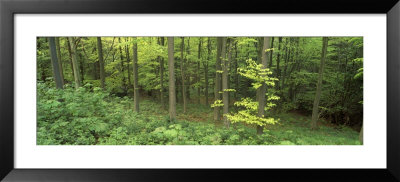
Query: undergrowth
x,y
90,116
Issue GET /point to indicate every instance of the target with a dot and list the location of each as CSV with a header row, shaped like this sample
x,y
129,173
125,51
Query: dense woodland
x,y
199,90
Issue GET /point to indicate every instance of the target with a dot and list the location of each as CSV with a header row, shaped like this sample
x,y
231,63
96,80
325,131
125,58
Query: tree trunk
x,y
55,63
217,88
75,62
225,66
135,77
162,75
172,98
187,76
198,72
287,56
183,75
59,57
262,90
278,70
270,54
205,64
101,62
236,73
319,84
122,66
70,56
128,60
82,68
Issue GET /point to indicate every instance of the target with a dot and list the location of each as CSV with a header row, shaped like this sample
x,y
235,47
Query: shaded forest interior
x,y
200,90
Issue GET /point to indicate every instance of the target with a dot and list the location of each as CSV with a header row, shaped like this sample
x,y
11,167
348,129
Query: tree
x,y
59,57
75,65
217,81
315,113
205,65
225,66
55,63
183,75
161,60
128,60
101,62
135,77
124,86
172,98
262,90
198,71
278,59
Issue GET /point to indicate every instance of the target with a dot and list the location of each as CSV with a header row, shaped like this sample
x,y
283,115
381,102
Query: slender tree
x,y
198,71
55,63
59,57
70,56
236,73
172,96
187,64
101,62
217,81
128,60
75,65
271,53
278,60
124,86
183,75
135,77
319,84
225,66
205,65
262,90
161,60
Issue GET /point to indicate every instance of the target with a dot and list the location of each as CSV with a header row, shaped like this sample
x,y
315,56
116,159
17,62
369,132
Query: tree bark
x,y
135,77
217,88
172,96
101,62
236,73
59,57
75,65
55,64
128,60
205,65
272,52
187,76
225,66
198,71
315,113
262,90
278,69
70,56
162,75
183,75
122,66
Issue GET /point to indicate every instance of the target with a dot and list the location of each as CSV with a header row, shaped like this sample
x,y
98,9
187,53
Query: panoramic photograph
x,y
199,90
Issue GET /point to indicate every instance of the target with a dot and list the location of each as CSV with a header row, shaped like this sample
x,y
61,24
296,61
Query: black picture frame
x,y
9,8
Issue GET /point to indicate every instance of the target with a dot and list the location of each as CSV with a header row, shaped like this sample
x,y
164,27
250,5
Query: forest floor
x,y
81,117
292,128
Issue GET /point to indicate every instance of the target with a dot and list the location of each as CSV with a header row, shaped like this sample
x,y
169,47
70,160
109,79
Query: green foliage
x,y
257,74
93,116
248,114
217,103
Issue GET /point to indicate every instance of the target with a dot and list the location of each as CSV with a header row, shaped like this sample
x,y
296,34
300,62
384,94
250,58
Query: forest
x,y
199,90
